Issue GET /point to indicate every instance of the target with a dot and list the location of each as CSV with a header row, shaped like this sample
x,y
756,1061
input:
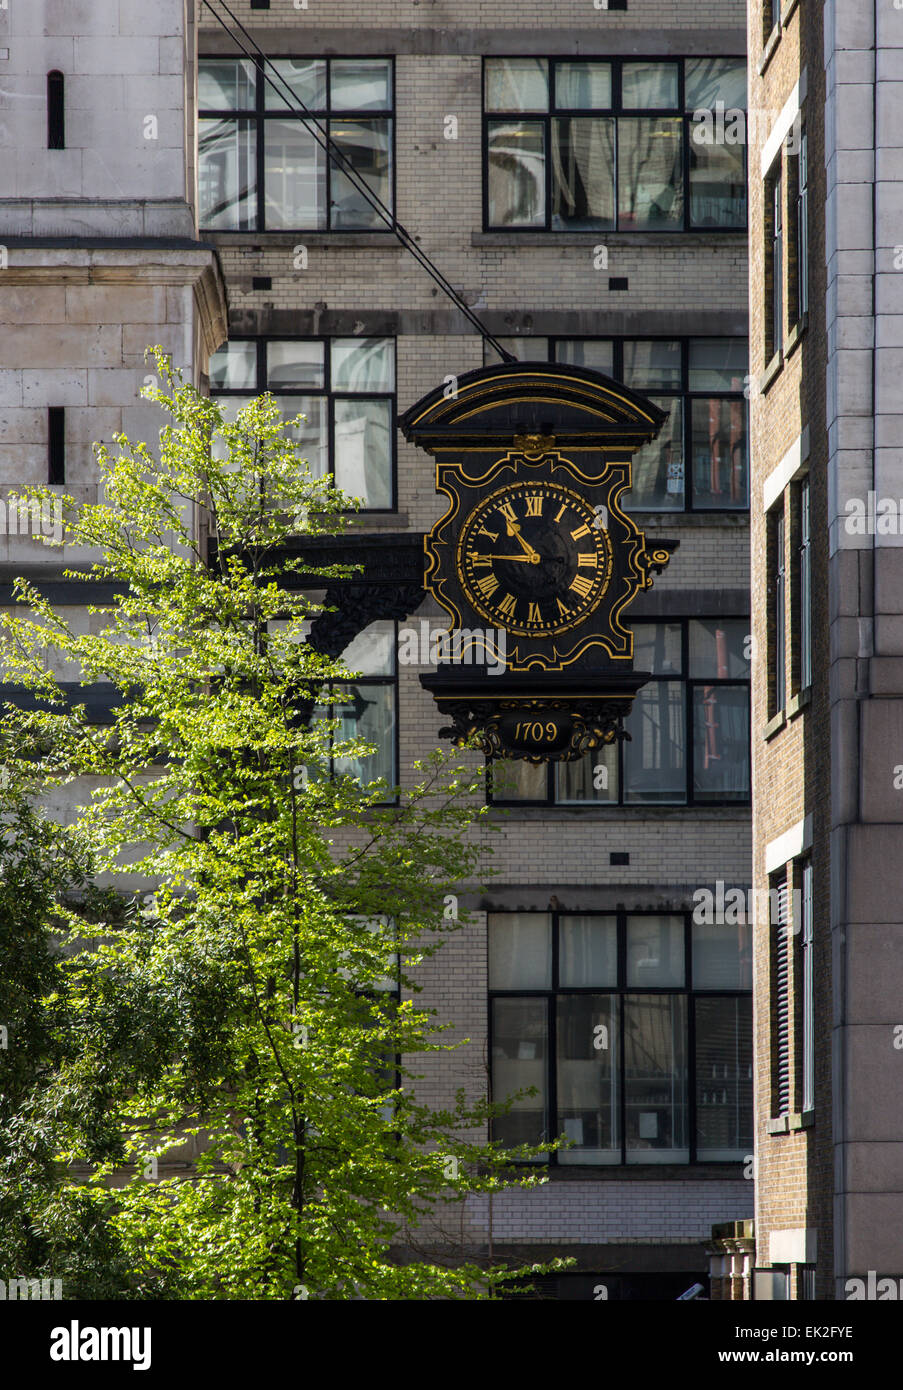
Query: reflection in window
x,y
366,708
599,145
607,1047
243,110
345,390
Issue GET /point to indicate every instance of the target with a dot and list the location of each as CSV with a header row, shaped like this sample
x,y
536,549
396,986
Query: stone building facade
x,y
547,160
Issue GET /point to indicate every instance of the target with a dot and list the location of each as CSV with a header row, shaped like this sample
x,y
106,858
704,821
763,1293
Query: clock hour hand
x,y
514,530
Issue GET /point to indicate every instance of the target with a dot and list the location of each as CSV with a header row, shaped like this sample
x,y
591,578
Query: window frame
x,y
683,393
615,111
690,684
392,682
326,393
622,991
774,186
322,118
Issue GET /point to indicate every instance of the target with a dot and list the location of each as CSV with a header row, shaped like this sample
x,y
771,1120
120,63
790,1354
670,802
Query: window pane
x,y
719,648
587,1076
306,77
294,177
583,172
368,146
597,353
517,84
648,85
591,778
366,712
520,1052
517,174
372,652
363,450
225,84
362,364
654,759
652,364
721,743
722,952
518,780
587,951
295,365
227,175
656,648
717,185
309,435
655,952
724,1087
234,367
658,467
520,950
655,1068
650,174
709,80
718,364
361,84
719,449
584,86
524,349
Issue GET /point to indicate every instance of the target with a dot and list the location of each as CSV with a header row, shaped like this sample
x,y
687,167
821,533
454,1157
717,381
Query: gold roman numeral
x,y
507,510
487,585
588,559
561,511
507,605
534,504
493,535
478,562
582,585
534,615
581,531
564,610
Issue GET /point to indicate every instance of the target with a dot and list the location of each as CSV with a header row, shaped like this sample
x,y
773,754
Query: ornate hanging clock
x,y
535,555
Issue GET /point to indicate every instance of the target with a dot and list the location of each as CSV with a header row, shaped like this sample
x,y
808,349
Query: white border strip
x,y
781,128
786,471
793,842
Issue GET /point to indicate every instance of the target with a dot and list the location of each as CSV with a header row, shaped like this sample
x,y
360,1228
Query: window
x,y
56,445
595,145
345,389
778,626
807,971
700,383
771,17
798,241
56,111
635,1030
774,266
689,729
261,168
367,707
782,1023
802,587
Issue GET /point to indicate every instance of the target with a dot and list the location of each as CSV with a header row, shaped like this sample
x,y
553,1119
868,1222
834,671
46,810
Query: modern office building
x,y
555,162
824,176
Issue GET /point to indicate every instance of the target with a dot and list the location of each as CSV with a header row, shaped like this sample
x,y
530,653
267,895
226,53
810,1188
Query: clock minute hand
x,y
532,559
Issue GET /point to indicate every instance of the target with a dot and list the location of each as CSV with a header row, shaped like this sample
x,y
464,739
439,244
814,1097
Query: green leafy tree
x,y
254,1015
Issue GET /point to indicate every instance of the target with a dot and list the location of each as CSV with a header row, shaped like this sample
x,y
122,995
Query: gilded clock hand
x,y
532,559
514,530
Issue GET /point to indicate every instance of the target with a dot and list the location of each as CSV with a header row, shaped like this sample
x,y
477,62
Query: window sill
x,y
795,336
791,6
771,44
541,237
790,1124
776,722
359,520
507,811
267,241
799,702
663,521
774,368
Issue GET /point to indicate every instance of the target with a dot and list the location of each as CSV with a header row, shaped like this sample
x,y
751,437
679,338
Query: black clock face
x,y
533,559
